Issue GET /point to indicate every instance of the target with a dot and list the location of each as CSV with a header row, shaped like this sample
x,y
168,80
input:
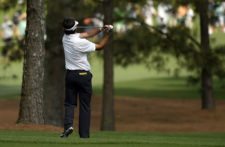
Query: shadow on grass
x,y
146,88
133,92
161,88
9,91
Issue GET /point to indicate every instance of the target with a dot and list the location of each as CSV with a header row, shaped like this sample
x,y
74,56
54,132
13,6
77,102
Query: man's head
x,y
69,25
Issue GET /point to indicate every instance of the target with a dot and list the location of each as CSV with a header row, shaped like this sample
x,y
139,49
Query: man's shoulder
x,y
72,36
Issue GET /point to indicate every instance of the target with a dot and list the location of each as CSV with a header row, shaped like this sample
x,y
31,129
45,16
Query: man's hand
x,y
107,28
95,31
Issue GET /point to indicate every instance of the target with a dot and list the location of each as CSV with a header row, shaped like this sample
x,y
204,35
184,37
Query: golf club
x,y
87,27
90,27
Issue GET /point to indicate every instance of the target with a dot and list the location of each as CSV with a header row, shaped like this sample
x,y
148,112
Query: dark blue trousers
x,y
78,84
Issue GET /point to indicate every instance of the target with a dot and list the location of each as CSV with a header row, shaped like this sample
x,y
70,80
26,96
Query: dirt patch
x,y
133,114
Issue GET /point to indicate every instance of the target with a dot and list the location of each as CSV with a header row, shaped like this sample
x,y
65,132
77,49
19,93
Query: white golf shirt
x,y
76,50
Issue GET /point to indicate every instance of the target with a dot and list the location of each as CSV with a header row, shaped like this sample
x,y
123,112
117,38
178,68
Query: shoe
x,y
67,132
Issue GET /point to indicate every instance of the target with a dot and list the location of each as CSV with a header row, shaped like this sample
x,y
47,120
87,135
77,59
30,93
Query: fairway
x,y
140,82
111,139
108,73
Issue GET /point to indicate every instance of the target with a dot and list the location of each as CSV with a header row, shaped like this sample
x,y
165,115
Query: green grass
x,y
134,81
112,139
138,81
165,87
10,80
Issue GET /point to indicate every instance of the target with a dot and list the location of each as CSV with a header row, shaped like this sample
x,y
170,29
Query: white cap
x,y
73,27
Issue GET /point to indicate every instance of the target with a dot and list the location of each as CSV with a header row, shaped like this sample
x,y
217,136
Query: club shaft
x,y
88,27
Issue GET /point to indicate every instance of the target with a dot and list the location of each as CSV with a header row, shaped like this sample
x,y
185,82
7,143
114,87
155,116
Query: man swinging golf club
x,y
78,75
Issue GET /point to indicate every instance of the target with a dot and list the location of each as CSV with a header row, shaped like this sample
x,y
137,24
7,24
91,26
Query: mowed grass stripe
x,y
115,138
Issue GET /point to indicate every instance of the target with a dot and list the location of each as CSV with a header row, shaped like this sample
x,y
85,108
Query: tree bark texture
x,y
206,75
108,115
31,103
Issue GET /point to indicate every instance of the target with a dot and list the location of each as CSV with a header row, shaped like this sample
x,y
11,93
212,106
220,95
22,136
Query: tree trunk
x,y
206,76
31,103
108,116
54,67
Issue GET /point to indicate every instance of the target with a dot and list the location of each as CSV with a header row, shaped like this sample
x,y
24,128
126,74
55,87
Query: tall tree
x,y
55,65
206,72
31,103
108,116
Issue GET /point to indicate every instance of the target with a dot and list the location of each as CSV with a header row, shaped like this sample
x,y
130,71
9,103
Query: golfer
x,y
78,76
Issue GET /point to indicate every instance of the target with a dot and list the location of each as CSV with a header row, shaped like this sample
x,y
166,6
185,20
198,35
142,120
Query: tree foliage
x,y
147,44
7,4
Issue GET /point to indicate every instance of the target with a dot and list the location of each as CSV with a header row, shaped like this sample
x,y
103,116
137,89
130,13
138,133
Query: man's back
x,y
76,50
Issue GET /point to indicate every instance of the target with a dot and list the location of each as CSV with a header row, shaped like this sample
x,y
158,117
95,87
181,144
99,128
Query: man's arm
x,y
95,31
102,43
90,33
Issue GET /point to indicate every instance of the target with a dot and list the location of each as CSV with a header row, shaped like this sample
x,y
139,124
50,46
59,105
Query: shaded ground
x,y
158,115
